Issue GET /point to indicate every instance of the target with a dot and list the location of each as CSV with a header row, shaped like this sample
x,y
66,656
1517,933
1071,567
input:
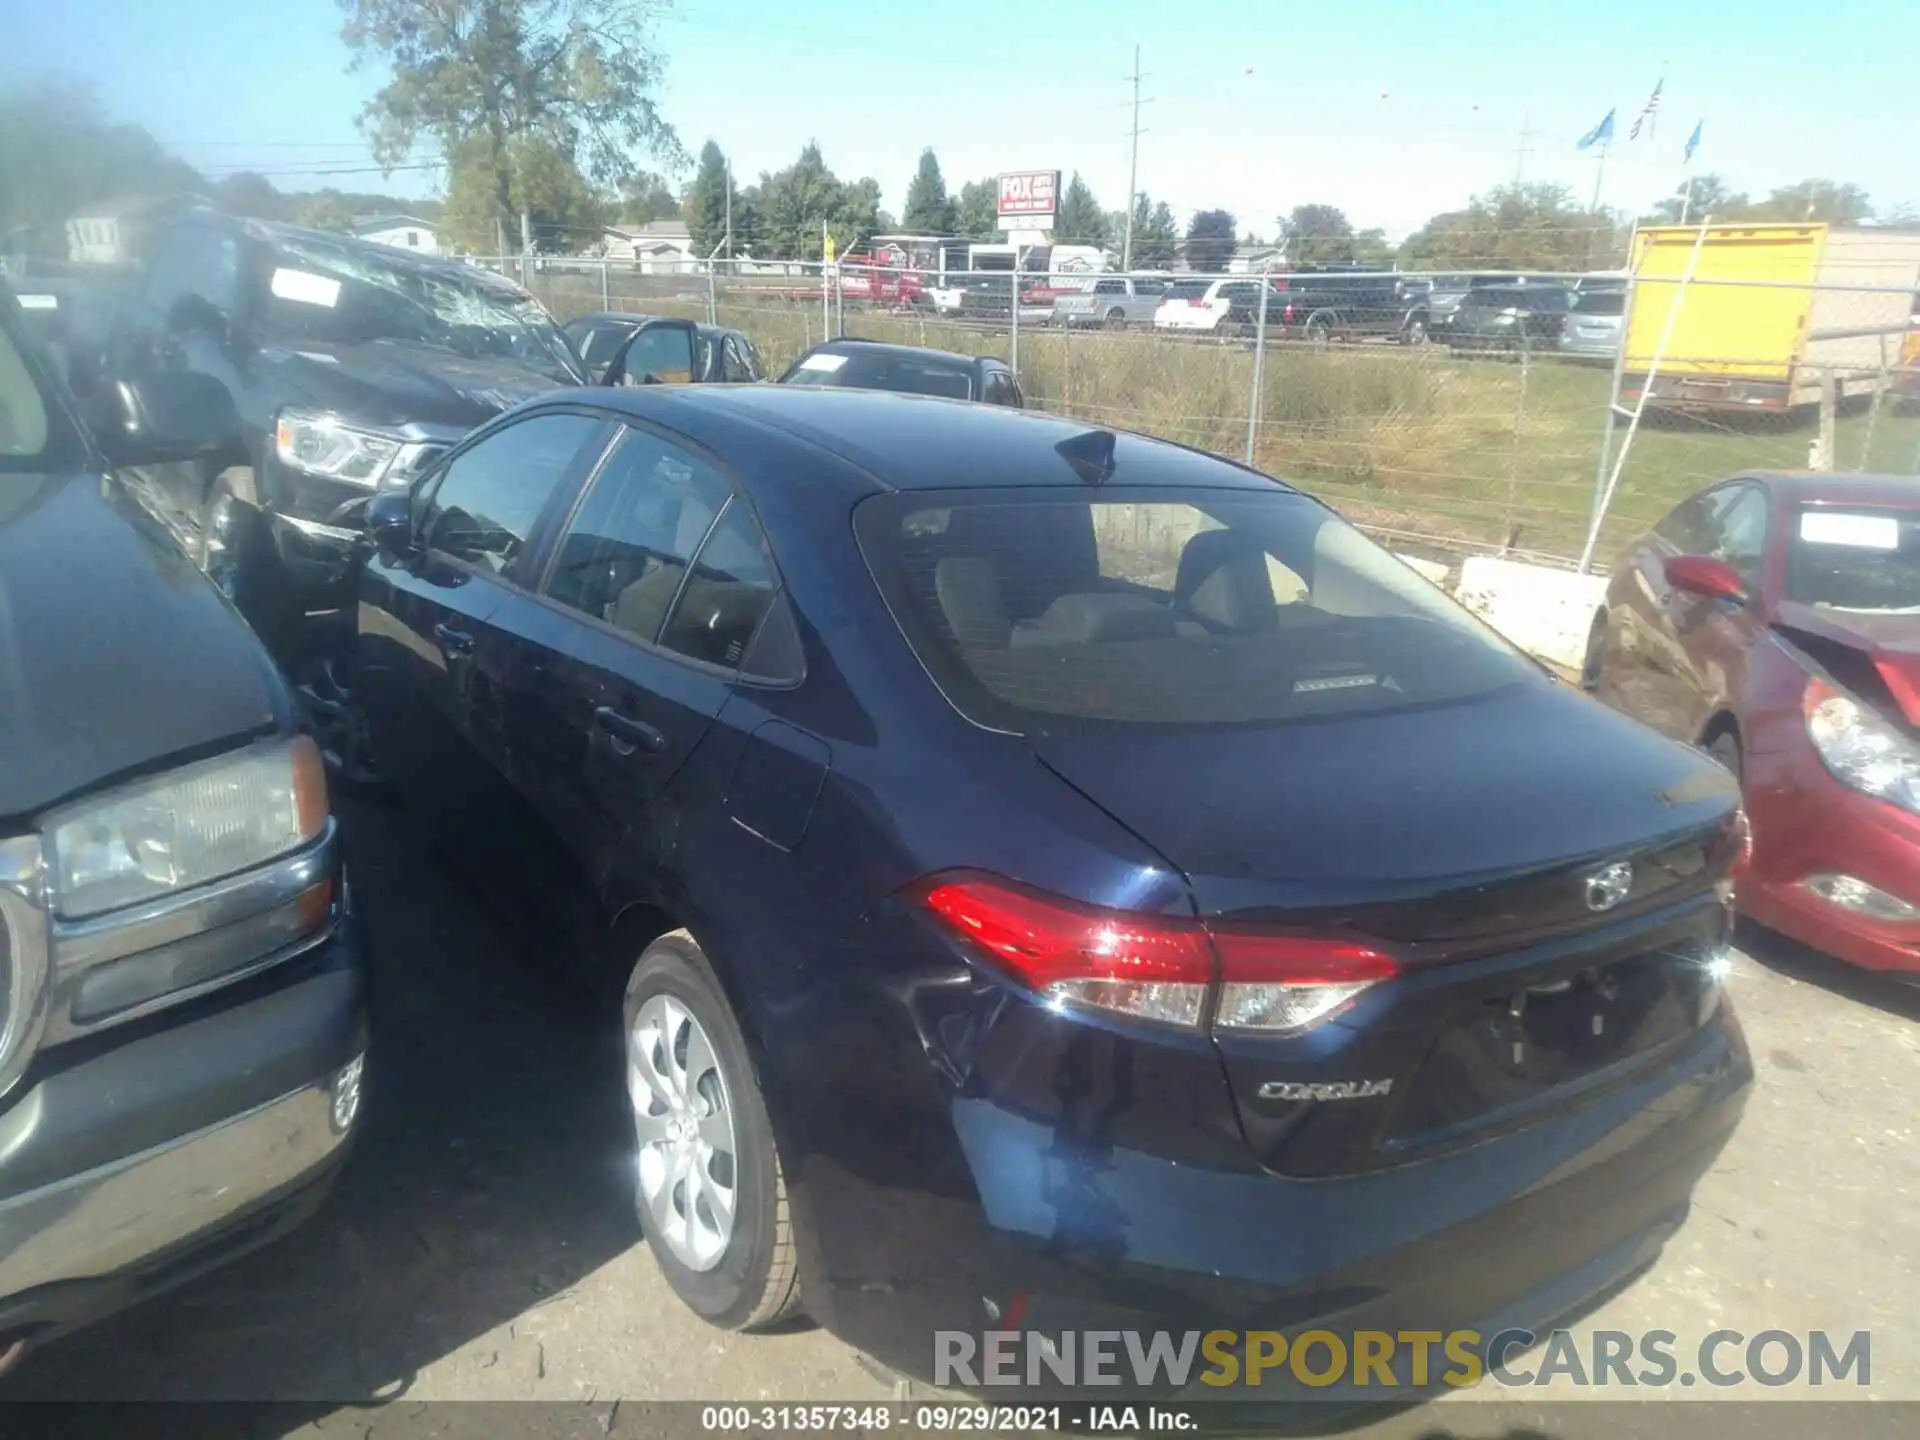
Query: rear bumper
x,y
224,1132
1518,1232
1807,823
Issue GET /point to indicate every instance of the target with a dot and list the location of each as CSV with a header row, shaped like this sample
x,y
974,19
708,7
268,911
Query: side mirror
x,y
660,352
170,416
389,522
1706,577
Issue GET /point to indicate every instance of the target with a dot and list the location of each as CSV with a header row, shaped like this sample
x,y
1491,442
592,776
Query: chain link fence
x,y
1546,418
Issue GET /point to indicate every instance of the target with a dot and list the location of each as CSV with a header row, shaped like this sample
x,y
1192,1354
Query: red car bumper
x,y
1807,823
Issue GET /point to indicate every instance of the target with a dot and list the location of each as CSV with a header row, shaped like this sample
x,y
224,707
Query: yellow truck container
x,y
1767,344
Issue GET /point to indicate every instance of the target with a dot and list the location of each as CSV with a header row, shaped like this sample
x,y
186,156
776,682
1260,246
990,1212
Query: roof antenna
x,y
1090,455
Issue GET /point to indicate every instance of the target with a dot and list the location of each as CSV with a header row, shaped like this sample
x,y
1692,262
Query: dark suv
x,y
1345,303
182,983
349,365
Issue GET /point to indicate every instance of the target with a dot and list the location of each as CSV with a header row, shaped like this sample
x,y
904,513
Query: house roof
x,y
664,230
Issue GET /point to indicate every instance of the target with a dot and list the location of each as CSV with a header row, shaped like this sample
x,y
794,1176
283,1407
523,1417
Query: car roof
x,y
1821,487
905,352
909,442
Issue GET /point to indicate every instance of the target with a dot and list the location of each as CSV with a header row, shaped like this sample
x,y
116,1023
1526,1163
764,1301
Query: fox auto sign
x,y
1029,194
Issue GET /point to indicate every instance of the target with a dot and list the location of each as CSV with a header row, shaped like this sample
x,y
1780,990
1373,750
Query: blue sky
x,y
1391,109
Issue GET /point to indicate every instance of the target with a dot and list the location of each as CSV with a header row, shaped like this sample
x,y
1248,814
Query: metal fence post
x,y
606,284
1259,368
1613,406
1511,532
826,302
1013,310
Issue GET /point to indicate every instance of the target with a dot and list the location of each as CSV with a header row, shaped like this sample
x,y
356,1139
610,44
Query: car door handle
x,y
454,642
635,734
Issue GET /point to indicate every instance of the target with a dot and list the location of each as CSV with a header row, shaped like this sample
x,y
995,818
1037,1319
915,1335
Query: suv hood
x,y
390,383
1891,641
116,655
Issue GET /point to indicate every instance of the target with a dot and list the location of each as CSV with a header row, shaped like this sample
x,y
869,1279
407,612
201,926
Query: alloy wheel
x,y
334,719
683,1117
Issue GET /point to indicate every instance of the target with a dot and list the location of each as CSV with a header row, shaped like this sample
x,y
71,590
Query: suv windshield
x,y
1600,302
1855,558
36,433
1050,609
340,295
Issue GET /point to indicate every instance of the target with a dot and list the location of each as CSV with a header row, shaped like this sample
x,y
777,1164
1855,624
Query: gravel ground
x,y
479,1245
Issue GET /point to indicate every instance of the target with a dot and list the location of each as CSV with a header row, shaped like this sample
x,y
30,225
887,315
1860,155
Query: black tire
x,y
1595,664
1116,320
324,685
1415,332
755,1282
1319,332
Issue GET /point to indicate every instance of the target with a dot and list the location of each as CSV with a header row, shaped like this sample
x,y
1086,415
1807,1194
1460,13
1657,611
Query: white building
x,y
660,247
117,232
403,232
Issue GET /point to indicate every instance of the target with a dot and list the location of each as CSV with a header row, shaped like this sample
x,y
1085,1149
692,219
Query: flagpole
x,y
1686,202
1600,174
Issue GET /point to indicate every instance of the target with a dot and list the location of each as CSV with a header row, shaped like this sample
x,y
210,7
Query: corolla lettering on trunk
x,y
1325,1090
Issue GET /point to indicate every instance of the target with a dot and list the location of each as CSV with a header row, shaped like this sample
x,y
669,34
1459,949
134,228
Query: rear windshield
x,y
883,372
1854,558
1600,302
1051,609
1188,289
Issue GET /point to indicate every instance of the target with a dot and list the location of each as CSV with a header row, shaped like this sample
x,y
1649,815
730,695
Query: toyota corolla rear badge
x,y
1607,888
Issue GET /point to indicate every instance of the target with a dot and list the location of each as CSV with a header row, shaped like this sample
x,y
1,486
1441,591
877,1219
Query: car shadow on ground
x,y
1809,966
490,1177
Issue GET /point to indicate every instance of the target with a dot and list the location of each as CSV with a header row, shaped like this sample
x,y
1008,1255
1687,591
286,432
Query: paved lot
x,y
479,1246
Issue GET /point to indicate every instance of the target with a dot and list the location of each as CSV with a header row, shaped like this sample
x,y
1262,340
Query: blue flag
x,y
1693,142
1602,131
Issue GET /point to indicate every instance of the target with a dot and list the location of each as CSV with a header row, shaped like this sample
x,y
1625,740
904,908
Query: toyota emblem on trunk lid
x,y
1607,888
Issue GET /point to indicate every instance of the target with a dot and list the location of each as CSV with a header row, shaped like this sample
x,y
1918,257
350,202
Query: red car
x,y
1774,620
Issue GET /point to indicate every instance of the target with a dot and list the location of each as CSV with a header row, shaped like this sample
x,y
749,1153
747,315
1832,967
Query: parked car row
x,y
888,764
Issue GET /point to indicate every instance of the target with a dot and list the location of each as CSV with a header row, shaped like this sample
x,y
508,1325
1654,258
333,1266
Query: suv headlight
x,y
186,828
1861,750
320,445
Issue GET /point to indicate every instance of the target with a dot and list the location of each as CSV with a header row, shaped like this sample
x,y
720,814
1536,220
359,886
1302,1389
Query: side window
x,y
727,595
1739,531
489,497
1110,287
740,366
665,352
625,554
998,389
1685,526
194,263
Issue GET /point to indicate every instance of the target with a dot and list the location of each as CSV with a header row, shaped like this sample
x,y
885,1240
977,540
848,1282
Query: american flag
x,y
1652,109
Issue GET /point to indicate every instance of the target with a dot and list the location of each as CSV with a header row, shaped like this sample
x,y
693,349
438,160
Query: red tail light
x,y
1286,315
1152,967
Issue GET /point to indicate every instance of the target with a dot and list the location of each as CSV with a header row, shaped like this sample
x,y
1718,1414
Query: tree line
x,y
540,110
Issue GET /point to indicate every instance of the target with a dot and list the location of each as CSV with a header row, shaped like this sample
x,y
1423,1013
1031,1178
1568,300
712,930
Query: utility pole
x,y
1526,148
729,209
1133,162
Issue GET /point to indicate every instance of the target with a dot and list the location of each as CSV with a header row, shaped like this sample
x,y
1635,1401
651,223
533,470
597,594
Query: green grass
x,y
1442,454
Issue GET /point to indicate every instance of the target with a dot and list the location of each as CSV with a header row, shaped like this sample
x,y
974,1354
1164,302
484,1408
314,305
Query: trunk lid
x,y
1467,841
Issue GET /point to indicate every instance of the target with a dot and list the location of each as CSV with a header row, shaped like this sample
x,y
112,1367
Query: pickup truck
x,y
350,367
183,973
1112,301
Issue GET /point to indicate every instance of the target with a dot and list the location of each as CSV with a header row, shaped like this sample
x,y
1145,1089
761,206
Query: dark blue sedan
x,y
1056,873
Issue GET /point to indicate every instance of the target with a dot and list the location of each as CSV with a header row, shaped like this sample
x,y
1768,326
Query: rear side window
x,y
626,551
1048,610
1188,289
491,494
1600,302
727,594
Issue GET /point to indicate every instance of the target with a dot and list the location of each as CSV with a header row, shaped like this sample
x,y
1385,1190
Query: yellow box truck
x,y
1770,316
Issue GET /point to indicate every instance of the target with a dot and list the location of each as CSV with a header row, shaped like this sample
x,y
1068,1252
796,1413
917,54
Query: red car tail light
x,y
1152,967
1148,966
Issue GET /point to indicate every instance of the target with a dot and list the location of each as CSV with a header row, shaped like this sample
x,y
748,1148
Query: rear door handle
x,y
454,642
634,734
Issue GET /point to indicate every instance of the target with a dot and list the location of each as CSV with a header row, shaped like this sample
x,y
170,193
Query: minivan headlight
x,y
320,445
1861,750
187,827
